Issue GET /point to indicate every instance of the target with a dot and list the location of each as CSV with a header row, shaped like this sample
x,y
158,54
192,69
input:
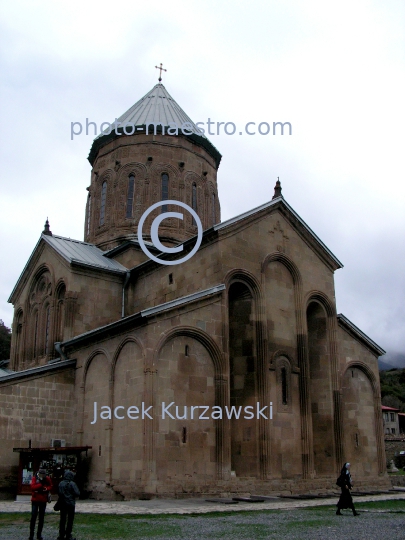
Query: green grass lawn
x,y
266,524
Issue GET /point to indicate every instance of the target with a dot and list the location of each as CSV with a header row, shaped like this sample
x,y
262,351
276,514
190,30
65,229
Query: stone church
x,y
230,372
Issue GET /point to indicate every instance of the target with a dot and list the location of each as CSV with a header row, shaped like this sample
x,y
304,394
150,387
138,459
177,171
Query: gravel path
x,y
292,524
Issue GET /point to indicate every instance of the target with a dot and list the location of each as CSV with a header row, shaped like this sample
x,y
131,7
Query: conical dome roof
x,y
156,107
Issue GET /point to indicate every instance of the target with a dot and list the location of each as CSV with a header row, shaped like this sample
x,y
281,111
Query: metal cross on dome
x,y
161,69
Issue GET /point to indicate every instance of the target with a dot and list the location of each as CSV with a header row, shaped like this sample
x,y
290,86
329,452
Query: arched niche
x,y
97,390
185,444
127,437
359,422
280,307
243,379
320,389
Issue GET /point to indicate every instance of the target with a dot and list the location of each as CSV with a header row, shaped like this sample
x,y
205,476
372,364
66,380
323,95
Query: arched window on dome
x,y
213,217
194,200
165,190
103,201
88,214
130,195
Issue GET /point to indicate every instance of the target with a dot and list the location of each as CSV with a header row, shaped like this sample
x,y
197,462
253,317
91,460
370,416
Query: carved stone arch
x,y
199,335
213,213
134,167
59,310
190,178
248,371
47,314
107,176
240,274
218,394
255,288
323,382
19,313
89,360
283,361
155,179
280,353
41,291
288,263
367,371
160,168
210,187
322,299
60,285
127,339
96,395
42,269
140,174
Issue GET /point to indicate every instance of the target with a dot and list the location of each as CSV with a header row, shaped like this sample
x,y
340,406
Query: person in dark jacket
x,y
41,485
68,491
345,483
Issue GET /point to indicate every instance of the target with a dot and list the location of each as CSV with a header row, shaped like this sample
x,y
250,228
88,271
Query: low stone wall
x,y
393,446
397,480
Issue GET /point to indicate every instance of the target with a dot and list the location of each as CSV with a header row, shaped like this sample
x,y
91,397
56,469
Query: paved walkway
x,y
192,506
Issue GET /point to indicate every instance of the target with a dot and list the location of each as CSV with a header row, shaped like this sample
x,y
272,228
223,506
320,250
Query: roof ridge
x,y
74,240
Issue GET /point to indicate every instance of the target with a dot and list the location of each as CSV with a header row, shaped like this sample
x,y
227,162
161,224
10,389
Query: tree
x,y
394,402
5,341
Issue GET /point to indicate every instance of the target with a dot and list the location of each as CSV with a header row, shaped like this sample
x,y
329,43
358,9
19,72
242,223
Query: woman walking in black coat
x,y
345,483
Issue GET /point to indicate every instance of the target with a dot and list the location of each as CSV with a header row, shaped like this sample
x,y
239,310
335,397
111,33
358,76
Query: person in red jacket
x,y
41,486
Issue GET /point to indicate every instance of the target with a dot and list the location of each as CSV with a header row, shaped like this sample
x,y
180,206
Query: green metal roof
x,y
156,107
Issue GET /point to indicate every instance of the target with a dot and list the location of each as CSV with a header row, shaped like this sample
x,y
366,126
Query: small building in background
x,y
390,420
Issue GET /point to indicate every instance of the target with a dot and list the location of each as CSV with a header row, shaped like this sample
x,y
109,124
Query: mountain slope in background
x,y
392,360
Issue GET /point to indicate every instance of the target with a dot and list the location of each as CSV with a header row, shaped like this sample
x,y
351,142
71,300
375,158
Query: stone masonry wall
x,y
37,409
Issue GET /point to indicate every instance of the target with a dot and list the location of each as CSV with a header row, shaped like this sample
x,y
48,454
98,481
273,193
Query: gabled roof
x,y
83,253
156,107
75,253
385,408
211,234
361,336
292,217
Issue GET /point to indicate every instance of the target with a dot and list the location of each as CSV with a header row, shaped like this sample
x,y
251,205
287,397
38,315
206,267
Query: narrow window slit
x,y
284,385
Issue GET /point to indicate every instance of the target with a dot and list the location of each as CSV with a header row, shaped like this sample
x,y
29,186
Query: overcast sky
x,y
334,70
